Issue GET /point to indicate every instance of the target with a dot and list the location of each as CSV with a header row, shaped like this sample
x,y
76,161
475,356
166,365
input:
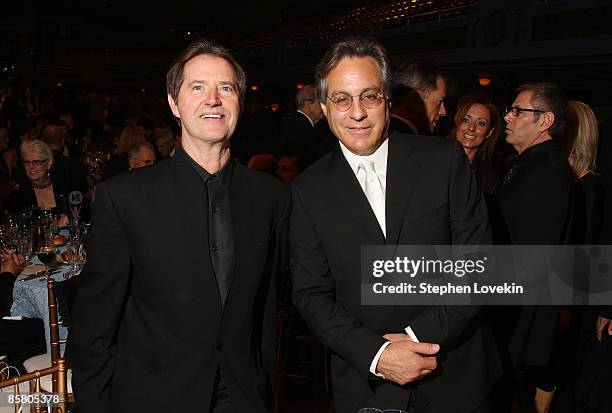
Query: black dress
x,y
588,382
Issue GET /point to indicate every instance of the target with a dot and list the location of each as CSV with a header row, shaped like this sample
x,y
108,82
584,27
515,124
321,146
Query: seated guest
x,y
130,136
477,124
19,339
164,142
263,162
142,154
69,170
41,190
298,131
289,167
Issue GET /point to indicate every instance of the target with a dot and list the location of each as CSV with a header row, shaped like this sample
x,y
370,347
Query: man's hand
x,y
602,324
12,263
405,361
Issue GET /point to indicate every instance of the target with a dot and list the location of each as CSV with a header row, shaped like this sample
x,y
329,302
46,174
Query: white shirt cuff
x,y
410,333
376,358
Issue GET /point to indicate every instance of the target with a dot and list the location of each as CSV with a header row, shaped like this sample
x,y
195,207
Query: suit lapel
x,y
348,193
402,174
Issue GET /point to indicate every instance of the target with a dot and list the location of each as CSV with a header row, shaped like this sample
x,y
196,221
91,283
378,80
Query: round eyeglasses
x,y
368,99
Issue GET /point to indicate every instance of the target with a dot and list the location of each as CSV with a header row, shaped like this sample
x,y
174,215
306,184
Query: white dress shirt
x,y
379,157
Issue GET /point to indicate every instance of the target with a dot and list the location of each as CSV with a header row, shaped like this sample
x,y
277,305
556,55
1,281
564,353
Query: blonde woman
x,y
582,145
39,190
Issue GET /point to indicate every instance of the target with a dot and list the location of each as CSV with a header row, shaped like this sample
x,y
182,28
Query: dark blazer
x,y
431,198
398,125
536,204
298,135
149,330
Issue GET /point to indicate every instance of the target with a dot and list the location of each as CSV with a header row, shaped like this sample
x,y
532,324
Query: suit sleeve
x,y
315,299
278,259
469,225
102,292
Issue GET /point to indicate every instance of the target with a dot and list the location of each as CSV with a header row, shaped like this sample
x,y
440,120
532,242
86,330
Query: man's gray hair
x,y
307,94
419,74
354,47
135,150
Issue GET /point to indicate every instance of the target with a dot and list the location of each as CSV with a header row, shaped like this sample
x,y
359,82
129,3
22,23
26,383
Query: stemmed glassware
x,y
45,253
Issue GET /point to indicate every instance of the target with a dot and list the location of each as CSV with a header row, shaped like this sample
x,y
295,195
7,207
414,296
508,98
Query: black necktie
x,y
220,234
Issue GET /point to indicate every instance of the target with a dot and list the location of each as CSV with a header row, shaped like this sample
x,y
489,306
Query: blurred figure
x,y
142,154
424,77
589,195
164,142
588,383
298,132
289,167
477,127
19,339
130,136
68,169
263,162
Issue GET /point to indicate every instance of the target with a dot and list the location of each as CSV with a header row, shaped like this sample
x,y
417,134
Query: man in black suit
x,y
178,314
536,204
376,189
418,98
299,134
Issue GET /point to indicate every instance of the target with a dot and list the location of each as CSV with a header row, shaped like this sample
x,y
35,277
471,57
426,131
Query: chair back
x,y
60,405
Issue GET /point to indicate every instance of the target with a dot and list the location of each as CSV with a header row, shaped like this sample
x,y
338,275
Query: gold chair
x,y
58,371
51,383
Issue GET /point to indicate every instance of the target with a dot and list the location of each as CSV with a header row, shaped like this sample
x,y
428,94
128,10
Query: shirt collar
x,y
224,173
379,157
307,117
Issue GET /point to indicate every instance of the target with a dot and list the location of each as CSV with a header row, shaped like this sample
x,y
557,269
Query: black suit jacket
x,y
298,135
536,203
149,331
431,198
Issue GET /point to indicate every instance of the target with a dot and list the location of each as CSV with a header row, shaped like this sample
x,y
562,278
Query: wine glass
x,y
46,253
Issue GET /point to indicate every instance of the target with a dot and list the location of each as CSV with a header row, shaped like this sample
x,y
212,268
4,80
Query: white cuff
x,y
376,358
413,336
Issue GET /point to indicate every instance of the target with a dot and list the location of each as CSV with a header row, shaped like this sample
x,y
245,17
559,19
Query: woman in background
x,y
477,125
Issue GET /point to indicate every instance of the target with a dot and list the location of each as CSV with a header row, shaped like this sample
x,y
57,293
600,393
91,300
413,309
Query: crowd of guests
x,y
539,163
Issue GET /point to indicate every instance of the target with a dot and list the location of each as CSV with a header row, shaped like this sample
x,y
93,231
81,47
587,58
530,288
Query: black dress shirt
x,y
219,218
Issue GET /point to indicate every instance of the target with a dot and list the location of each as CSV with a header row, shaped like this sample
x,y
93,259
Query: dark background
x,y
126,46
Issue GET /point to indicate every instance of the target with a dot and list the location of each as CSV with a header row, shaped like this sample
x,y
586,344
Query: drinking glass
x,y
46,253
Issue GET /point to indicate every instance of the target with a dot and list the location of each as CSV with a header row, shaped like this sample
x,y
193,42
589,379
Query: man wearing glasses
x,y
381,189
535,199
142,154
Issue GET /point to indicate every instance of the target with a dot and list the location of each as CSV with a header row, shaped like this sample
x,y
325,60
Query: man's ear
x,y
547,120
173,107
323,108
